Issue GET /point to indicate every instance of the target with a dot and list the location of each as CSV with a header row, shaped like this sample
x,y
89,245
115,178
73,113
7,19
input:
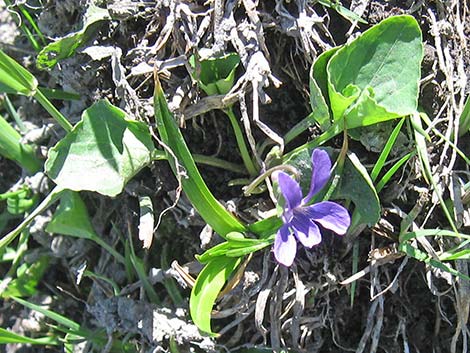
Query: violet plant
x,y
300,219
343,96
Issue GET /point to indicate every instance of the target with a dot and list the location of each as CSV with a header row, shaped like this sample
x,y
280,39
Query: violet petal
x,y
285,246
330,215
290,190
321,165
306,231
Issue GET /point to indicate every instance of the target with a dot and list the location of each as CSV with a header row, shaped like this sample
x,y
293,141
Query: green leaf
x,y
319,73
67,46
265,227
356,185
12,148
52,197
343,11
464,119
7,337
208,285
71,217
234,247
379,71
14,78
320,111
193,185
215,75
28,277
102,152
419,255
62,320
386,151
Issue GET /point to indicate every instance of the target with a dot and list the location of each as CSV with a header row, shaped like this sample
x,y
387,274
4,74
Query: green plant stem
x,y
52,197
108,248
159,155
113,284
249,165
51,109
25,29
250,188
12,148
9,194
13,113
334,130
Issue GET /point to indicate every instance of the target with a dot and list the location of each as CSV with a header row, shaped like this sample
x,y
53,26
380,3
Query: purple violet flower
x,y
301,220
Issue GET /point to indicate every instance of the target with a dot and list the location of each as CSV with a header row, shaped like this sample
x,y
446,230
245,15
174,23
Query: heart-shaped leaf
x,y
376,76
102,152
71,217
215,75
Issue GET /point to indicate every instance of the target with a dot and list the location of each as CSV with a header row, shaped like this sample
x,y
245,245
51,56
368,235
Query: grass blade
x,y
7,337
62,320
386,178
386,151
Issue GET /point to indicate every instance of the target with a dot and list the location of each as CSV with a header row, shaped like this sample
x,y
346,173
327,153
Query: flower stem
x,y
249,165
249,189
51,109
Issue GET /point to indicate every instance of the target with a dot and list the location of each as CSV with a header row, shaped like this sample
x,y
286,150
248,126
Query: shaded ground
x,y
304,308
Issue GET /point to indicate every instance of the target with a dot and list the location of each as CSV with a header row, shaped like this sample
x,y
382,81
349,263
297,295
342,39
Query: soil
x,y
303,308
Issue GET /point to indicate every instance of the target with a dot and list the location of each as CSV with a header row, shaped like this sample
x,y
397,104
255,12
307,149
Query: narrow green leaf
x,y
8,337
423,257
457,255
12,148
388,175
62,320
464,119
139,268
386,151
67,46
431,232
248,249
234,248
266,226
208,285
102,152
193,185
14,78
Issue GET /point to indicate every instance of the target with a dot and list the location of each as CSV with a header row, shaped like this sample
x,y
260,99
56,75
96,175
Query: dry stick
x,y
247,127
463,292
379,318
275,309
261,303
298,308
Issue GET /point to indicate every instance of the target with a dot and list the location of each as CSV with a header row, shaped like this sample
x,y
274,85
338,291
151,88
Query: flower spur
x,y
300,219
